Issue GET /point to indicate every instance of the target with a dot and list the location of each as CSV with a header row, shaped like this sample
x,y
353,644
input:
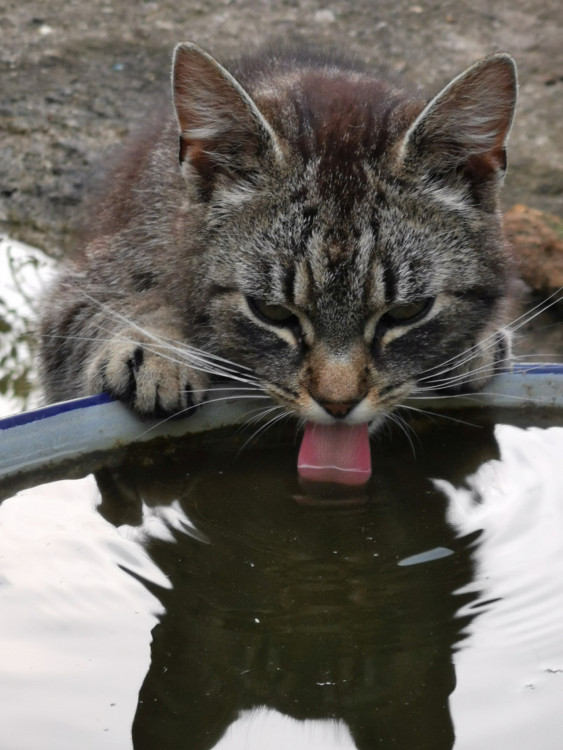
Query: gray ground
x,y
77,75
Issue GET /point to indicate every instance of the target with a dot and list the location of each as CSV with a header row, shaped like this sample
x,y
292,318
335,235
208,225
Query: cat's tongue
x,y
335,453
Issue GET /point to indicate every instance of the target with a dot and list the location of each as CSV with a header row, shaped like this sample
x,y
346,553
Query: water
x,y
189,596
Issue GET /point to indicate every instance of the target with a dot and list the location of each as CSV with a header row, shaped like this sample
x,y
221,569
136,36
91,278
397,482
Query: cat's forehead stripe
x,y
339,118
302,285
325,270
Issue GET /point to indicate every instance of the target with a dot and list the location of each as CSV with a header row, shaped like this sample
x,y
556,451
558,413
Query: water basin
x,y
186,591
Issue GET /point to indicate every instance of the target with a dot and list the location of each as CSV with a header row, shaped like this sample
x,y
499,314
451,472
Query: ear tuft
x,y
467,124
223,135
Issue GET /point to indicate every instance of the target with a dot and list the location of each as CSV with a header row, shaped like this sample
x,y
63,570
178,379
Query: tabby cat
x,y
303,227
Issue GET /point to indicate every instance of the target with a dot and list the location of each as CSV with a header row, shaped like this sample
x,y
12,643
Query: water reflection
x,y
301,607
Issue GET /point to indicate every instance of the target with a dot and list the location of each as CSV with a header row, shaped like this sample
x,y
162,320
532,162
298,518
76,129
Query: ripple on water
x,y
317,614
510,671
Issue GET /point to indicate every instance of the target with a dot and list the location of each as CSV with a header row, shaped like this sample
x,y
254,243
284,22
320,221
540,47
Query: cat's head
x,y
354,247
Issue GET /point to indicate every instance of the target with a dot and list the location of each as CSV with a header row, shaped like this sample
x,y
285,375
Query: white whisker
x,y
474,375
263,428
475,396
459,360
184,412
195,357
404,427
261,414
207,370
439,415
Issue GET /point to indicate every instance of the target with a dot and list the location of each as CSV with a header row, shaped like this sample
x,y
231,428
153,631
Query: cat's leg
x,y
491,355
136,352
149,371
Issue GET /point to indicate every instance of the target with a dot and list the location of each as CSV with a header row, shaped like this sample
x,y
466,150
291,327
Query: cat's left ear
x,y
223,135
466,126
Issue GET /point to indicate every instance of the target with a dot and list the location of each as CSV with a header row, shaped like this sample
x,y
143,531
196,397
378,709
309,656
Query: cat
x,y
301,226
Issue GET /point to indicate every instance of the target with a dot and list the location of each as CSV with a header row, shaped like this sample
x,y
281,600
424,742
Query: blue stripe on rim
x,y
17,420
549,368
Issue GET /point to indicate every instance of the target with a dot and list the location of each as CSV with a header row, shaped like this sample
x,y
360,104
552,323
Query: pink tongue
x,y
335,453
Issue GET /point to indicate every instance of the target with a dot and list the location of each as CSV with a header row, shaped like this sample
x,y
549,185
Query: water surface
x,y
193,596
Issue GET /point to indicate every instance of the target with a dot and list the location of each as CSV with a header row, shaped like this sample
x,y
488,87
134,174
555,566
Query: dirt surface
x,y
78,75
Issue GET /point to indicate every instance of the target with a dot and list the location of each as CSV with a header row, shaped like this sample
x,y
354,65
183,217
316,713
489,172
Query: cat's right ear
x,y
223,135
467,125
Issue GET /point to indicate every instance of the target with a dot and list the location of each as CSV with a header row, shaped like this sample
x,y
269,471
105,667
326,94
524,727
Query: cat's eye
x,y
275,314
408,312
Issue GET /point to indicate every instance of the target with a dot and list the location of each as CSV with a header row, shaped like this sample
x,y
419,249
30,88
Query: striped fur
x,y
307,184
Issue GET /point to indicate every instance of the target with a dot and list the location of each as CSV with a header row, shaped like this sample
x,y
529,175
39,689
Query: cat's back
x,y
142,166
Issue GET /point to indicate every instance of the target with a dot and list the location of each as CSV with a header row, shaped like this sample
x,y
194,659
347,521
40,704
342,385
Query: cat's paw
x,y
483,361
139,373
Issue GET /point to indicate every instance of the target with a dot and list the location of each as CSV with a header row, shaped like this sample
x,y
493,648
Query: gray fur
x,y
304,184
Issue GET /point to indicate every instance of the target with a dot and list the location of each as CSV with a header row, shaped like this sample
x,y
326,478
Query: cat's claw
x,y
152,383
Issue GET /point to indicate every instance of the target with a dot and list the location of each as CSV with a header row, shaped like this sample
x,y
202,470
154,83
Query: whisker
x,y
192,407
263,428
538,309
439,415
227,388
206,368
517,357
404,427
192,353
464,377
488,342
473,375
197,361
472,395
195,358
262,412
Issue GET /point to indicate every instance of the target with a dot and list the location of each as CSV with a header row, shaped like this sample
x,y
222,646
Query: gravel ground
x,y
78,76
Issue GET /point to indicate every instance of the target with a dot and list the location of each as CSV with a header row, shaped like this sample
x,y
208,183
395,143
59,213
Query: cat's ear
x,y
223,134
466,126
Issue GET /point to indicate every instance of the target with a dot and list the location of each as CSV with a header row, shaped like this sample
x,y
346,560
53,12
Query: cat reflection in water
x,y
302,227
265,602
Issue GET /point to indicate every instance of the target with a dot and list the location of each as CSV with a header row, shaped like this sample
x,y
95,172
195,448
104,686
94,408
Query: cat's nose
x,y
339,409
